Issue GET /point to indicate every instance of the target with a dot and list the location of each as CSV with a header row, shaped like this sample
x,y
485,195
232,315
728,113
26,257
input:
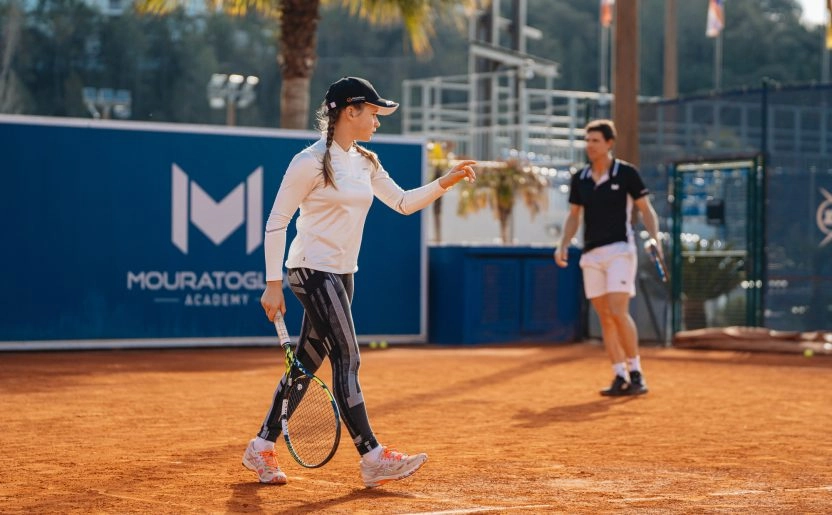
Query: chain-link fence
x,y
748,176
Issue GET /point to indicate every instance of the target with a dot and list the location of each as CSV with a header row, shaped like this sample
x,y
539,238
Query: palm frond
x,y
418,16
269,8
498,187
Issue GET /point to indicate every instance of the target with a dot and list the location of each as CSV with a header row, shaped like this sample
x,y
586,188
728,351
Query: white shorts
x,y
608,269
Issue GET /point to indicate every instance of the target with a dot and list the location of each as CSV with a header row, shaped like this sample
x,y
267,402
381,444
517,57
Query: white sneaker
x,y
265,464
390,466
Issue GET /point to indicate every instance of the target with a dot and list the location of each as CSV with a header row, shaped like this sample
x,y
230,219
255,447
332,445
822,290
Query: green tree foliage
x,y
383,58
761,39
56,40
64,45
298,36
164,62
12,92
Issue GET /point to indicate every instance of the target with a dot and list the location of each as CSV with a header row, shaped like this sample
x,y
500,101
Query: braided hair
x,y
326,124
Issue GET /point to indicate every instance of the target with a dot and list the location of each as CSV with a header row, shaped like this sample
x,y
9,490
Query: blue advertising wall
x,y
503,294
141,234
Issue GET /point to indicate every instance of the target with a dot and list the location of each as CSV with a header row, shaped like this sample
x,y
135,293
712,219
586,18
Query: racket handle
x,y
282,331
653,251
651,248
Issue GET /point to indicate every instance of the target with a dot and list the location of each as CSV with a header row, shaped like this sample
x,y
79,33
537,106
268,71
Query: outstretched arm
x,y
408,202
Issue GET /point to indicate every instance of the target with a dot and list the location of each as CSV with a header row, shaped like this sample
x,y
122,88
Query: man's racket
x,y
651,247
308,415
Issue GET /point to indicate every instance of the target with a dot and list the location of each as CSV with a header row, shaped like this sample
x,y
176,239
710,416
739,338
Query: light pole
x,y
230,92
107,102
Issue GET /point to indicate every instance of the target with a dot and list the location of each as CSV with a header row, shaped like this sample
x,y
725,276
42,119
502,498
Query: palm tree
x,y
298,20
498,186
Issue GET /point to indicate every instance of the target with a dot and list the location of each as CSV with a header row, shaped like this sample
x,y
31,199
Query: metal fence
x,y
784,131
788,128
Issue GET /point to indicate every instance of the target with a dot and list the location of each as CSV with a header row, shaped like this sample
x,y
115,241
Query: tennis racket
x,y
309,415
651,247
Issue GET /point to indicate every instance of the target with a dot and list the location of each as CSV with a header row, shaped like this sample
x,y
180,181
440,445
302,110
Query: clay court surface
x,y
509,429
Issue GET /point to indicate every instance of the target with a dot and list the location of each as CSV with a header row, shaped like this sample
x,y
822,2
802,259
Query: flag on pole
x,y
829,24
606,12
716,18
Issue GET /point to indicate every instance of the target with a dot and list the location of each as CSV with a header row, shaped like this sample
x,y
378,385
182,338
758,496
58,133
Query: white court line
x,y
481,509
807,489
737,492
758,492
138,499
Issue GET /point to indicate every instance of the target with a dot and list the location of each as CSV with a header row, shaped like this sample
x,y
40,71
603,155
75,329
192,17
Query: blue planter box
x,y
503,294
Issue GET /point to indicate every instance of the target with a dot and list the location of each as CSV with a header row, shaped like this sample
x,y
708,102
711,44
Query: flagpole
x,y
713,29
604,69
670,82
612,30
718,62
827,43
824,59
606,17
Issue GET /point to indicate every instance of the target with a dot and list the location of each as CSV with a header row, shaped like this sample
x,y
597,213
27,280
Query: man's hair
x,y
605,127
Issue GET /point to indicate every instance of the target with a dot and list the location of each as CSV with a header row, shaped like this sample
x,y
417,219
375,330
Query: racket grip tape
x,y
282,331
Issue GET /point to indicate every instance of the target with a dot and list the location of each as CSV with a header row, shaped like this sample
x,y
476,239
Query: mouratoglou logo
x,y
217,220
824,217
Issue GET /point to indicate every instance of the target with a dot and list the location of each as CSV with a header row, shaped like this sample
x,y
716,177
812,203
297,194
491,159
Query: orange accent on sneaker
x,y
393,454
391,465
269,458
265,464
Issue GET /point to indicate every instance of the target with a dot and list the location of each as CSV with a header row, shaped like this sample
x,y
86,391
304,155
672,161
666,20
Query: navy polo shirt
x,y
607,206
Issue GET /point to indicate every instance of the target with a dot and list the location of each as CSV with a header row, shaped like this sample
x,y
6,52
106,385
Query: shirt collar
x,y
612,171
335,148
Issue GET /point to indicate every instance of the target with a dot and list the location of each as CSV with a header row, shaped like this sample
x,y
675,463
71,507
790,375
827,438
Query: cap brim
x,y
385,107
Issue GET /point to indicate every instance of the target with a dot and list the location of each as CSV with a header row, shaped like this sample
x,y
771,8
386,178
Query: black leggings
x,y
327,330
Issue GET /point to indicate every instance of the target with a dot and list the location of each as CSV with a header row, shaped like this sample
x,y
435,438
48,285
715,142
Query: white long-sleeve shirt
x,y
331,221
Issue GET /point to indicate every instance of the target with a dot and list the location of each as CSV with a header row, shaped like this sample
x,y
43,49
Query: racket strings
x,y
312,424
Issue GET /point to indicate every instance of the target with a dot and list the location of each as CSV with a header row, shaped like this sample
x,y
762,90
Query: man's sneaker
x,y
390,466
637,384
265,464
619,387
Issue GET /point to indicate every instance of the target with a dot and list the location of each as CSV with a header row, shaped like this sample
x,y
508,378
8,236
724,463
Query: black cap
x,y
353,90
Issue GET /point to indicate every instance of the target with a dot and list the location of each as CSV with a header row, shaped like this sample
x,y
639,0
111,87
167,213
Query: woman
x,y
333,183
603,194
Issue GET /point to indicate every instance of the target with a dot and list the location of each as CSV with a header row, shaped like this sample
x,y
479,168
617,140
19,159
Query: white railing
x,y
481,117
734,125
548,123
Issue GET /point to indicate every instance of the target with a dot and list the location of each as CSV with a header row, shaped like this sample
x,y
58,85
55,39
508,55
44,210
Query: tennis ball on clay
x,y
383,344
808,353
373,344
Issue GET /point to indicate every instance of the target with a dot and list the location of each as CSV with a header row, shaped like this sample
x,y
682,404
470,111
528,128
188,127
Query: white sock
x,y
261,444
635,364
374,454
620,369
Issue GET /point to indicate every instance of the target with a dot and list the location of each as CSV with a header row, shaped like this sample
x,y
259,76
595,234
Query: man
x,y
603,194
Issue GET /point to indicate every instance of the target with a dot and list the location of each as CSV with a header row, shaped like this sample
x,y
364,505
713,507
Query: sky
x,y
813,11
